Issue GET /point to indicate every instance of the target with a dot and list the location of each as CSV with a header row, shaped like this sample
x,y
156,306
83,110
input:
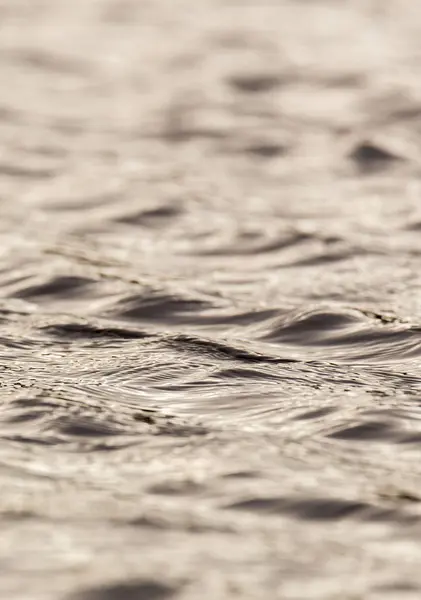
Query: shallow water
x,y
209,301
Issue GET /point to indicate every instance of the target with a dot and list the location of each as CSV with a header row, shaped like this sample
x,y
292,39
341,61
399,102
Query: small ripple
x,y
254,83
320,509
20,171
90,332
370,430
136,589
159,307
344,335
156,217
370,156
64,286
254,244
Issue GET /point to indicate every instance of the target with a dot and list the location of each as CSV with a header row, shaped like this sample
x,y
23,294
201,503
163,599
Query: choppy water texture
x,y
210,299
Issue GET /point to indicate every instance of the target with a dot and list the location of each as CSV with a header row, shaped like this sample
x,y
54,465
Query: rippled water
x,y
210,314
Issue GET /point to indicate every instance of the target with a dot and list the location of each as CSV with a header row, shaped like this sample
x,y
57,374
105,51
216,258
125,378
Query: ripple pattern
x,y
210,341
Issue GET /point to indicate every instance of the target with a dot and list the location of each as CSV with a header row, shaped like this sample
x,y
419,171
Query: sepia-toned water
x,y
210,299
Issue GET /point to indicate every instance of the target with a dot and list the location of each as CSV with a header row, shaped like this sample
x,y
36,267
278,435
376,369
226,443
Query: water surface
x,y
209,301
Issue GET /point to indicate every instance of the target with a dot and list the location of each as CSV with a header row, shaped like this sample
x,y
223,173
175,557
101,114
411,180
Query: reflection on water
x,y
209,301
